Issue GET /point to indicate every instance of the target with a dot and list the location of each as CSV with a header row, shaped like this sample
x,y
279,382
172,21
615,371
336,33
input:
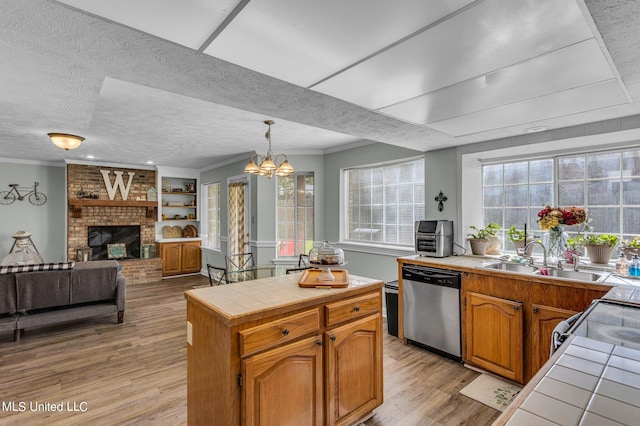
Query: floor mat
x,y
491,391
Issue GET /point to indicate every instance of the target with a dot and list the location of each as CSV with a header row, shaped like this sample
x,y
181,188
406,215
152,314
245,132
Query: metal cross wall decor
x,y
441,198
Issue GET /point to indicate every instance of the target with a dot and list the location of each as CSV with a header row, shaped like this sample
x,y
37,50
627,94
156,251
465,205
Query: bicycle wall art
x,y
34,196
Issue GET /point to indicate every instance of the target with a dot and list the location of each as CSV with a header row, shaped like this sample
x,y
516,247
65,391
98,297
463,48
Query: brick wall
x,y
89,179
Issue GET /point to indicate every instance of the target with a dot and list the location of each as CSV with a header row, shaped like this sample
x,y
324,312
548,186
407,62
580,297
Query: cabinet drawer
x,y
352,308
273,333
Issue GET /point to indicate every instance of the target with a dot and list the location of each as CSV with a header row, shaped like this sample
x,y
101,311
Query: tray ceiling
x,y
422,75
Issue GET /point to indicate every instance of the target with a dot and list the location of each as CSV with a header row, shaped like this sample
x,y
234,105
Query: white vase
x,y
600,254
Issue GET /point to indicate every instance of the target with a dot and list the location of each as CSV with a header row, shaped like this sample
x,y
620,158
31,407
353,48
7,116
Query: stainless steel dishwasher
x,y
431,309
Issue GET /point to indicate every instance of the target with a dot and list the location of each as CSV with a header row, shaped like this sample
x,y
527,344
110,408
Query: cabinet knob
x,y
333,338
535,310
356,308
516,307
285,332
319,342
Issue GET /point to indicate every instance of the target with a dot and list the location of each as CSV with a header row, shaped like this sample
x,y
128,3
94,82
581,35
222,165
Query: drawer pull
x,y
333,338
516,307
319,342
356,308
285,332
535,310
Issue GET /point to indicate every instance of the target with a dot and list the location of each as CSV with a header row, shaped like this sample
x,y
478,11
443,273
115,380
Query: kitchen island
x,y
270,352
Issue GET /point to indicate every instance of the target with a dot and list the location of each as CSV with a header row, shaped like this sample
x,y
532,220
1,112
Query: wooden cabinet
x,y
306,362
354,364
180,257
542,306
543,320
283,384
494,334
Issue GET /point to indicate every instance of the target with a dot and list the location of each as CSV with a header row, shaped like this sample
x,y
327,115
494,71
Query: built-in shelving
x,y
179,199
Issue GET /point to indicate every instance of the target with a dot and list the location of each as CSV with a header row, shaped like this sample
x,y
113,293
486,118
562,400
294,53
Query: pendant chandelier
x,y
269,165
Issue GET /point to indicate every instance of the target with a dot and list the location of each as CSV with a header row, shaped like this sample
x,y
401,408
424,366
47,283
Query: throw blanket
x,y
36,267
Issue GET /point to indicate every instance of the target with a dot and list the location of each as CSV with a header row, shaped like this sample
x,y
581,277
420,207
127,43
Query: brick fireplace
x,y
89,211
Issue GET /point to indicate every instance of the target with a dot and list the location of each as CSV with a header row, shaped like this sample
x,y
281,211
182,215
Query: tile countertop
x,y
241,301
585,383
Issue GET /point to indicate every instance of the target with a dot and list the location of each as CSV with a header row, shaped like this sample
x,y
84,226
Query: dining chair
x,y
303,260
238,262
217,275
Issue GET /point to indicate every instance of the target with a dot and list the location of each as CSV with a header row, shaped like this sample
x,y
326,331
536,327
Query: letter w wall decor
x,y
119,183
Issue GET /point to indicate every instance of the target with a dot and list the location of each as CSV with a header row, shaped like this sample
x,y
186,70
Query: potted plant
x,y
600,246
479,239
631,247
574,246
494,242
518,238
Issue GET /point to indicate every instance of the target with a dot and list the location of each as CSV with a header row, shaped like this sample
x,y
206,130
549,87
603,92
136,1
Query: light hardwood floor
x,y
135,373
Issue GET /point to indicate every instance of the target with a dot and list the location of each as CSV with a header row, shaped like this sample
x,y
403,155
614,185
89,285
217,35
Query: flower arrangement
x,y
552,217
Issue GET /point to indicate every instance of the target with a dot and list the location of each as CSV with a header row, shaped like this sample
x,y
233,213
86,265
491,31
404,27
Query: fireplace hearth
x,y
99,237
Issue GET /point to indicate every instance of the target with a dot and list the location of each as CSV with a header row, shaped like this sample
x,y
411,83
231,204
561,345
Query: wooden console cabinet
x,y
267,352
180,257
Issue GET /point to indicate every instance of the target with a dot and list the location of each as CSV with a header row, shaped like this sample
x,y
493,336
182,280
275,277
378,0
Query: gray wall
x,y
263,206
46,223
368,264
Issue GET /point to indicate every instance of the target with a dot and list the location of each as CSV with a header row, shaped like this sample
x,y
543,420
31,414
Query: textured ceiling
x,y
188,84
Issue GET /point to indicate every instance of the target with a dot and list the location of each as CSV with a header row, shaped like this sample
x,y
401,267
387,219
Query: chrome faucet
x,y
544,252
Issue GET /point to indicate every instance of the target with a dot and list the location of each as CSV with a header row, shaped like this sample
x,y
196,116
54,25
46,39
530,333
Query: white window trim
x,y
344,202
470,199
203,215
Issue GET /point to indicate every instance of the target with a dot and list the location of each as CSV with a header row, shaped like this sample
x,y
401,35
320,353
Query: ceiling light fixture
x,y
65,141
268,166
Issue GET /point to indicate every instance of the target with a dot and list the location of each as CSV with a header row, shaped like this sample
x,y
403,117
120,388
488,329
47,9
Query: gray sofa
x,y
69,292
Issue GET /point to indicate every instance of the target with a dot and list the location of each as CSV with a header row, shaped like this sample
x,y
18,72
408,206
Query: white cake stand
x,y
326,274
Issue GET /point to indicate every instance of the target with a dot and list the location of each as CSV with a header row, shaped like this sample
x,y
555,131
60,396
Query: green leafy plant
x,y
576,243
635,243
516,235
601,240
483,233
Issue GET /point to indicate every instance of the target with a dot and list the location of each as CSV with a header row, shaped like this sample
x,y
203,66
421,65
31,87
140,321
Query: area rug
x,y
491,391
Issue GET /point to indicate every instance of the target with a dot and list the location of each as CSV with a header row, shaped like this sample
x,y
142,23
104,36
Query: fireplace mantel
x,y
77,204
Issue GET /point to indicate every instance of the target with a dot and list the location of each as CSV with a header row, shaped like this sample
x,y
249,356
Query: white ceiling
x,y
188,84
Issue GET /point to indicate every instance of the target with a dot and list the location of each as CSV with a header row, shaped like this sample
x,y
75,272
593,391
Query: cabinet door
x,y
191,256
171,254
544,320
494,335
283,386
354,367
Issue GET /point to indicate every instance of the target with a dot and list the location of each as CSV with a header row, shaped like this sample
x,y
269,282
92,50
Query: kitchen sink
x,y
513,267
574,275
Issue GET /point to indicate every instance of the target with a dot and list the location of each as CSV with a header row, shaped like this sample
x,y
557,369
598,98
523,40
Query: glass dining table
x,y
257,271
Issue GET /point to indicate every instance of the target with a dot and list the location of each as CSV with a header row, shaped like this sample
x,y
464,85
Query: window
x,y
383,202
295,214
606,183
212,218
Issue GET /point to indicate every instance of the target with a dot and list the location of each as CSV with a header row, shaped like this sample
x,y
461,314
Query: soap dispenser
x,y
634,266
622,265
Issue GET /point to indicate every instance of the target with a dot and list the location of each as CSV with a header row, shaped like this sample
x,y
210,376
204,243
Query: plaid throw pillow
x,y
36,267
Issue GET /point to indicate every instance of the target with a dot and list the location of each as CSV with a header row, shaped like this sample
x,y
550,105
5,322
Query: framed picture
x,y
116,251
